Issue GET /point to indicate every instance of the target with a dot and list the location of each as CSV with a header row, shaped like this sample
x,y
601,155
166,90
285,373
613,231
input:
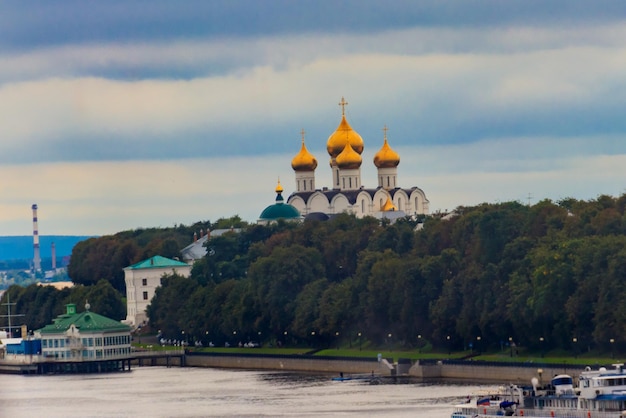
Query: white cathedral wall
x,y
419,201
380,198
363,206
298,203
340,204
401,201
318,203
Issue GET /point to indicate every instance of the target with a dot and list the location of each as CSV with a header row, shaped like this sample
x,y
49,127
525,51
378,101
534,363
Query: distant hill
x,y
21,247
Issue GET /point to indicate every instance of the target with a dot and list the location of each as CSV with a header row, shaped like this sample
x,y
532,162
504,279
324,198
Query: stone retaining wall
x,y
301,364
477,372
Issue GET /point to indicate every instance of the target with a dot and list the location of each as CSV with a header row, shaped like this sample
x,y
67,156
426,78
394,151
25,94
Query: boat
x,y
371,378
599,393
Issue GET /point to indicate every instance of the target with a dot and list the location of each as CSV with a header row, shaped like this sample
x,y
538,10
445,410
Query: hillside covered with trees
x,y
547,276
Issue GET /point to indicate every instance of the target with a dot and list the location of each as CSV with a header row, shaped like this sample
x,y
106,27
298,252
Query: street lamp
x,y
419,343
612,341
449,347
478,343
337,339
541,344
511,346
359,334
574,341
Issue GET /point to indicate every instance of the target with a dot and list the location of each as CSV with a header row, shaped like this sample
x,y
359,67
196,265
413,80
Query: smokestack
x,y
53,250
36,253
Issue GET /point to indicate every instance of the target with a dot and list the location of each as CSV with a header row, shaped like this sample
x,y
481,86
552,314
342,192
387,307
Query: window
x,y
145,295
144,282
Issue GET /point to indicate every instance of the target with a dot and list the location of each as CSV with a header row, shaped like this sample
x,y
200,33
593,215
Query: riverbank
x,y
449,370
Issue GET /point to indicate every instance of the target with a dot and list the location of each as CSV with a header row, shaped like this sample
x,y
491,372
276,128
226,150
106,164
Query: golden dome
x,y
279,188
388,206
386,157
344,134
348,158
304,161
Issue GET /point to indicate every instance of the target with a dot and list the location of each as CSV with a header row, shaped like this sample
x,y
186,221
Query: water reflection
x,y
198,392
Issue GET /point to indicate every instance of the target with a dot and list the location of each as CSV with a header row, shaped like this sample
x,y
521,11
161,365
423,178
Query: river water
x,y
200,392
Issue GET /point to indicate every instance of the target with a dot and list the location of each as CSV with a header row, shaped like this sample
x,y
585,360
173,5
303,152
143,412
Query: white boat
x,y
598,394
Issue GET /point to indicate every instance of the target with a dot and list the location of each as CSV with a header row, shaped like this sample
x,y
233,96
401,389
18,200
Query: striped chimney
x,y
36,253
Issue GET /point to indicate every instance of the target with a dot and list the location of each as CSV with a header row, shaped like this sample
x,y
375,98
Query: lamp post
x,y
541,346
574,341
419,343
612,341
360,346
478,339
449,347
337,339
511,346
390,345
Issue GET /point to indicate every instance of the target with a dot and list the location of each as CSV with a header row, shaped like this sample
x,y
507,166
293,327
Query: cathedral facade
x,y
347,193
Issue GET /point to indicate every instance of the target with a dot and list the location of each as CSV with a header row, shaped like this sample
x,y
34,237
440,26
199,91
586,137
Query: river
x,y
199,392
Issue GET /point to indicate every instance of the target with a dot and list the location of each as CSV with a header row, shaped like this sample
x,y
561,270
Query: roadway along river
x,y
199,392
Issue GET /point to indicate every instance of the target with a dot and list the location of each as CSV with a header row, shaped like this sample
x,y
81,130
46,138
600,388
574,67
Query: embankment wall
x,y
470,371
490,372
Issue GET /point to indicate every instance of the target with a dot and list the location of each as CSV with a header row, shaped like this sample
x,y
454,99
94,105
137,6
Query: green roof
x,y
86,322
157,262
279,211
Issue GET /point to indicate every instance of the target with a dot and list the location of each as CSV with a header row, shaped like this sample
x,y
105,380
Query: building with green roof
x,y
85,336
142,279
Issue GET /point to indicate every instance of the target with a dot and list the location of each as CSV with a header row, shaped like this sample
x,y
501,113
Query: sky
x,y
131,114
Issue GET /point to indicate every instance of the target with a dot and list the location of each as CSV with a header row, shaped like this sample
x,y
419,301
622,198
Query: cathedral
x,y
347,193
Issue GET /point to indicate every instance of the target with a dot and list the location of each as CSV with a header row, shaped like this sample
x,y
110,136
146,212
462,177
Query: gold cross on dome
x,y
385,129
343,105
302,132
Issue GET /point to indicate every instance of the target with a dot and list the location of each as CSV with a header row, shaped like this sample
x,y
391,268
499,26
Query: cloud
x,y
444,97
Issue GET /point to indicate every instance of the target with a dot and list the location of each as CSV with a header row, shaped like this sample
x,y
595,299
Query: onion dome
x,y
348,158
388,206
280,209
386,157
304,161
343,135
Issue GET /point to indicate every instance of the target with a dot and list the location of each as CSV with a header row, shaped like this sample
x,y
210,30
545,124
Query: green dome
x,y
279,210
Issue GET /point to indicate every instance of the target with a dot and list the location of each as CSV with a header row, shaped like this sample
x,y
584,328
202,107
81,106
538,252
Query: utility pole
x,y
8,304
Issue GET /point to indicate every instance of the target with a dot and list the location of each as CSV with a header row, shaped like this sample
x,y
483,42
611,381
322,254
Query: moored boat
x,y
598,393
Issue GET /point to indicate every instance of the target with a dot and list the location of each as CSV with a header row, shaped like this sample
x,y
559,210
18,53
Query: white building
x,y
347,193
142,279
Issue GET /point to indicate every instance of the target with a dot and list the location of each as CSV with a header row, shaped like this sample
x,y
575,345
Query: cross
x,y
385,129
343,104
302,133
